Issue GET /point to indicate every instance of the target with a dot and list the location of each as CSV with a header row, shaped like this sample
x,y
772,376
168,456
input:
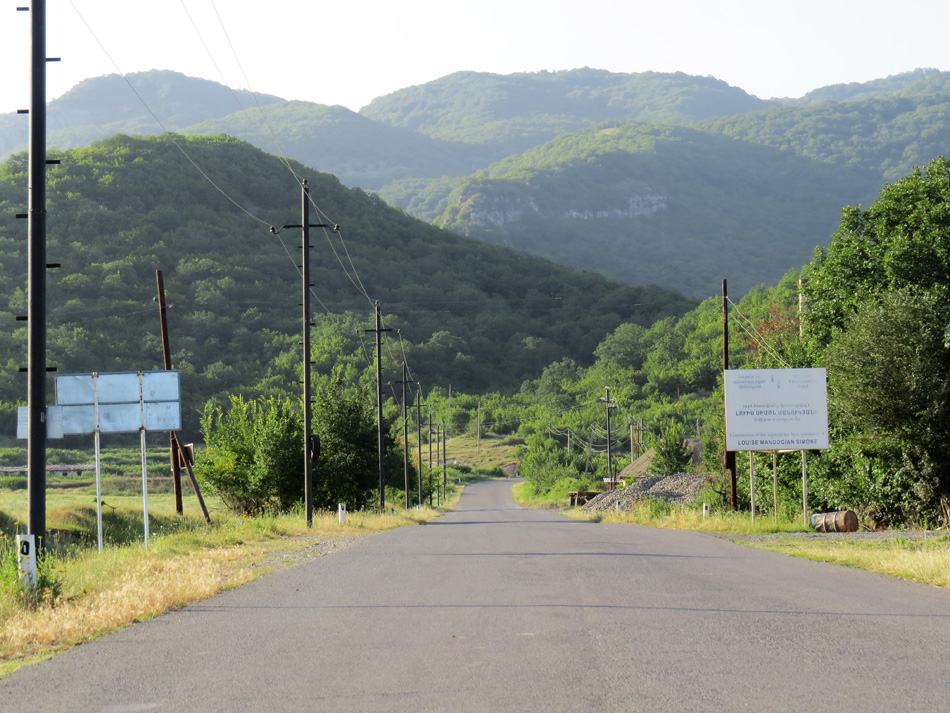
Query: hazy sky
x,y
351,51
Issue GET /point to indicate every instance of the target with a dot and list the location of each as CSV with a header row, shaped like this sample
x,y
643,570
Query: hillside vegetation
x,y
468,313
631,175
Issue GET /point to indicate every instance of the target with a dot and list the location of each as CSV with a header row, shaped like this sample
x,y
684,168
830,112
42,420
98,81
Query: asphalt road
x,y
496,608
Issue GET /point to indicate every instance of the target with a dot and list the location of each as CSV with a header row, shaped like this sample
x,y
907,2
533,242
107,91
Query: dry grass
x,y
925,561
486,453
149,584
691,518
187,561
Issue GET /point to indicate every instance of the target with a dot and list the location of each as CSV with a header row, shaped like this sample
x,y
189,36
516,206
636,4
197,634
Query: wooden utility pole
x,y
379,406
478,427
419,438
632,443
430,459
405,432
610,468
305,246
729,457
178,455
167,361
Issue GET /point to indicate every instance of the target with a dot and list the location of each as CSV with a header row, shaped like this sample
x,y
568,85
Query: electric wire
x,y
351,273
750,330
171,136
260,109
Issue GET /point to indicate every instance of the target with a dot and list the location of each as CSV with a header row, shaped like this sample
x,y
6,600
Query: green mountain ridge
x,y
764,183
517,111
631,201
468,313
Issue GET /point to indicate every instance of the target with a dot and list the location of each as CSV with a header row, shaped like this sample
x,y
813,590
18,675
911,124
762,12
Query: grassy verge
x,y
919,560
91,594
924,560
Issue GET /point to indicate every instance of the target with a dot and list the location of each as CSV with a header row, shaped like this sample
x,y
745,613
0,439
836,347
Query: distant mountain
x,y
659,203
513,112
919,81
471,314
103,106
760,183
359,151
885,137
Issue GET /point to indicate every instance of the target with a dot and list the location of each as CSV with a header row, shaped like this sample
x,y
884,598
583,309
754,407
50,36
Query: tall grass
x,y
659,513
187,560
926,561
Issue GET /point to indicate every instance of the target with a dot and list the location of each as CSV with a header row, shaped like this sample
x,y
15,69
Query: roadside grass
x,y
187,560
919,560
926,561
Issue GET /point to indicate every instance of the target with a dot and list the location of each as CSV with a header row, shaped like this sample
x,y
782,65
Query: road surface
x,y
498,608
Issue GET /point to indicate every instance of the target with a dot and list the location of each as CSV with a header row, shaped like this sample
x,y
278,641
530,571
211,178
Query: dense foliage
x,y
252,459
646,203
876,310
718,183
467,313
517,111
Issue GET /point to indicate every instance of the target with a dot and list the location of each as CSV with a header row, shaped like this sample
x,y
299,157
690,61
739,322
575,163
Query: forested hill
x,y
107,105
669,178
641,202
470,314
516,111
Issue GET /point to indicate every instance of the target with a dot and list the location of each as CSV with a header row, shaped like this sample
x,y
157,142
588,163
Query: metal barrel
x,y
839,521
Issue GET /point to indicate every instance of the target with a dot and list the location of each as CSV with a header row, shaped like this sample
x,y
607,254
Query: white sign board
x,y
119,402
776,409
54,422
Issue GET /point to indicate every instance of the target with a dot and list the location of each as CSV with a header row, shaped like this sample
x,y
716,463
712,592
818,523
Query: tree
x,y
877,315
672,454
348,468
253,456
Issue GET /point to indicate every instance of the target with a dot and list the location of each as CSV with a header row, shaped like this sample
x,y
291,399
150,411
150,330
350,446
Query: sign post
x,y
775,410
119,402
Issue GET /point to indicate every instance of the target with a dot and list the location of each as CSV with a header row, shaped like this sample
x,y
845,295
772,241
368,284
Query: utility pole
x,y
305,246
430,459
419,438
36,277
379,406
632,443
478,427
167,361
445,463
729,457
405,433
438,446
608,404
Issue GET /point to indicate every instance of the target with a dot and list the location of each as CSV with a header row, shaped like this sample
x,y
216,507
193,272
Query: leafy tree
x,y
253,457
672,454
348,468
877,315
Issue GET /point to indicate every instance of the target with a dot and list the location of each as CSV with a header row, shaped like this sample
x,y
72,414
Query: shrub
x,y
254,455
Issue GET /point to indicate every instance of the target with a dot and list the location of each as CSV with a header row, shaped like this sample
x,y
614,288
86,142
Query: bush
x,y
254,455
672,454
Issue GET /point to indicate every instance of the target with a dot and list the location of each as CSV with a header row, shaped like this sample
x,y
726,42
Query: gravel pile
x,y
679,488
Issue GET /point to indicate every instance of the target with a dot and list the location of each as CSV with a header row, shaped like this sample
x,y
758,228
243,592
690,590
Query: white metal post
x,y
805,488
98,489
144,486
752,482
